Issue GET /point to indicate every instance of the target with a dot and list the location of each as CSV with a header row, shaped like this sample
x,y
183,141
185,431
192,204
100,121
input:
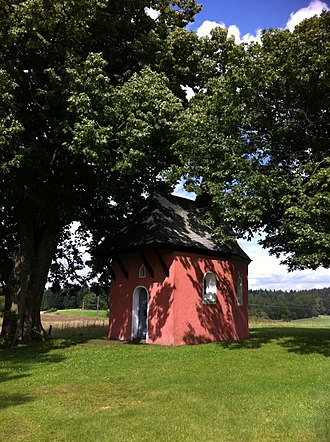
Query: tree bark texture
x,y
26,284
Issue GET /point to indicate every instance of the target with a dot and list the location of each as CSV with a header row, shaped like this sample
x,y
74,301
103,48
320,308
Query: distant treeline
x,y
74,297
287,305
272,304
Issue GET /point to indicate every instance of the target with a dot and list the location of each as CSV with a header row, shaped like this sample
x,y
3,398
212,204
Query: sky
x,y
244,19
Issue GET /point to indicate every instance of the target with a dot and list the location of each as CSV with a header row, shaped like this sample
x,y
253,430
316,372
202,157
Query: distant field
x,y
78,313
320,321
73,323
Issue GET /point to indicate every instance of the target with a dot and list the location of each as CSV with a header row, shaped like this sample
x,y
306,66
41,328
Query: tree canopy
x,y
93,116
288,305
256,138
89,93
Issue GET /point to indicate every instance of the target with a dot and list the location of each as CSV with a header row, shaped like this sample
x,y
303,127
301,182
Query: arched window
x,y
142,271
209,288
239,291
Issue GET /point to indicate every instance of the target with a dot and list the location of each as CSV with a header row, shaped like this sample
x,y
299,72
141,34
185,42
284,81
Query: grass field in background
x,y
274,386
79,313
320,321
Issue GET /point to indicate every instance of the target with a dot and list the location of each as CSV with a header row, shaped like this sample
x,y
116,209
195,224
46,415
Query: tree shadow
x,y
221,321
5,376
160,291
298,340
120,321
159,310
10,400
17,363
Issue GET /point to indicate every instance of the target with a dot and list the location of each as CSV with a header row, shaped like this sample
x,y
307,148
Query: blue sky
x,y
244,19
251,15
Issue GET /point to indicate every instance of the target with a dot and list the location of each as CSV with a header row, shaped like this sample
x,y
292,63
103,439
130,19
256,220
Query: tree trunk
x,y
25,289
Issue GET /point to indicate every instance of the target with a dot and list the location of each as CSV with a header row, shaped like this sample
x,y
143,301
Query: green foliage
x,y
90,302
258,136
278,304
87,112
90,92
72,297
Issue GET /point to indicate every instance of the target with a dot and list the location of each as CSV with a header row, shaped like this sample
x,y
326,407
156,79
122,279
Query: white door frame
x,y
135,311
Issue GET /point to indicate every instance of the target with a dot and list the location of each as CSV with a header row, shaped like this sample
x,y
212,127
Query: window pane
x,y
209,289
239,291
142,271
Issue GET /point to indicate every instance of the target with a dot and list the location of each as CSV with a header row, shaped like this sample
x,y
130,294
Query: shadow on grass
x,y
297,340
38,352
10,400
19,359
17,362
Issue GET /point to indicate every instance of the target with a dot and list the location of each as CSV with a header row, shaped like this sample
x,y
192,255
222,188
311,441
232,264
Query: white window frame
x,y
239,292
209,294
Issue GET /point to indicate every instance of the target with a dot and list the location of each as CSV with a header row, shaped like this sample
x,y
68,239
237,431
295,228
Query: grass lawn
x,y
273,387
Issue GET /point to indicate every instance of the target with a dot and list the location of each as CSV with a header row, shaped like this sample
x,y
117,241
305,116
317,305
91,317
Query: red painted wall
x,y
161,295
176,313
196,322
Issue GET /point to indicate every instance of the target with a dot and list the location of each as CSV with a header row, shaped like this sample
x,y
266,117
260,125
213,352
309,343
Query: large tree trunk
x,y
26,285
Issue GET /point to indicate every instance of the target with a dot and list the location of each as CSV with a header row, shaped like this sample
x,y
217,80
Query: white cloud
x,y
153,13
233,31
250,38
206,27
266,272
314,8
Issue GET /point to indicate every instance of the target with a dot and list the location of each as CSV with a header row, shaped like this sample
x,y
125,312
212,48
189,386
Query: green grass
x,y
273,387
320,321
80,314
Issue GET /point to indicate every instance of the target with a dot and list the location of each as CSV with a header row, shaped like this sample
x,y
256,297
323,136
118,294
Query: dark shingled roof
x,y
170,222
